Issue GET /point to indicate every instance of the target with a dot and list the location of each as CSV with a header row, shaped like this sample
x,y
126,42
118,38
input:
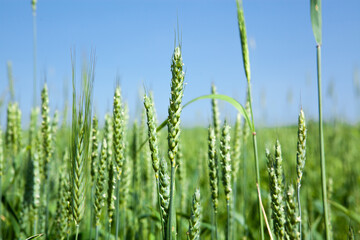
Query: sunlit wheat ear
x,y
195,217
301,147
37,179
11,132
279,165
45,130
215,112
118,129
111,189
213,174
108,134
78,178
79,145
278,214
292,219
125,179
100,183
177,92
152,134
18,128
300,158
164,191
135,157
61,214
226,160
94,148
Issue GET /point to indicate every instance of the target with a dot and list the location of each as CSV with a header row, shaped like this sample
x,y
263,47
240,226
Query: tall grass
x,y
246,61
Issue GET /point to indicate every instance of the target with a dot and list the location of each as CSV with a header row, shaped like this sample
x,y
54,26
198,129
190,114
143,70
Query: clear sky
x,y
134,41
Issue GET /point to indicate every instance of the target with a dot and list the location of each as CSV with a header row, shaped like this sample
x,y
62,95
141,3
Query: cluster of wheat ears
x,y
83,182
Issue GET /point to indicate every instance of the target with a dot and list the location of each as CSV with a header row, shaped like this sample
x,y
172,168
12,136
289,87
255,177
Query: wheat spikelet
x,y
301,147
226,160
292,219
177,92
100,183
152,134
195,217
118,137
215,112
213,174
94,148
164,191
45,131
277,207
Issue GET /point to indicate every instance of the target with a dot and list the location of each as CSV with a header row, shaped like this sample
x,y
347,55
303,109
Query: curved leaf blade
x,y
354,216
228,99
315,14
35,236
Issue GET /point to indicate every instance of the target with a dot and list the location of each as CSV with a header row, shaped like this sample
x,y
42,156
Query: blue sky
x,y
134,41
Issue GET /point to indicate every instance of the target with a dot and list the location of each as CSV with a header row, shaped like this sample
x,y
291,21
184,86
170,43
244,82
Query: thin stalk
x,y
96,232
298,199
322,151
117,212
91,210
244,190
124,221
215,224
109,231
161,217
47,207
228,221
233,210
256,162
171,226
77,231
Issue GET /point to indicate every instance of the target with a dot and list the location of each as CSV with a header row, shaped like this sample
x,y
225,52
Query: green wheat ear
x,y
195,217
118,131
80,142
300,158
100,183
45,130
94,148
213,174
177,92
164,192
226,160
292,219
152,134
278,214
215,112
301,147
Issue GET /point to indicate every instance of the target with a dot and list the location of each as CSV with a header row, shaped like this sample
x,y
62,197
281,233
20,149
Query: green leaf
x,y
35,236
354,216
315,13
228,99
243,38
